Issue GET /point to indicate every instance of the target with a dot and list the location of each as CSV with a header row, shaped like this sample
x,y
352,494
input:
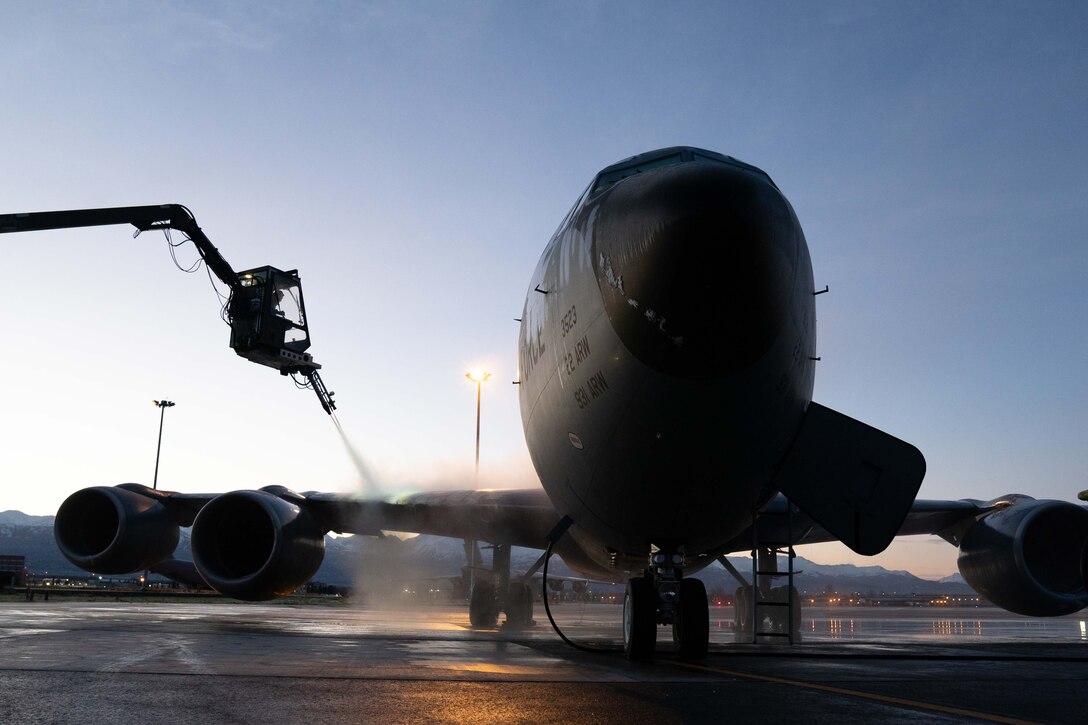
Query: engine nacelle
x,y
254,545
1029,557
112,530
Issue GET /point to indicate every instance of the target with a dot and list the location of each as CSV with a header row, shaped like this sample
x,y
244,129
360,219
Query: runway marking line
x,y
889,699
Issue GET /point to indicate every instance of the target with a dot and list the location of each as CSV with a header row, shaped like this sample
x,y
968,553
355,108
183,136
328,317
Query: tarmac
x,y
105,662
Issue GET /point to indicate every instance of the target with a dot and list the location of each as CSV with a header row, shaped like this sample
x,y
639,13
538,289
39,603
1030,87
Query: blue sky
x,y
411,160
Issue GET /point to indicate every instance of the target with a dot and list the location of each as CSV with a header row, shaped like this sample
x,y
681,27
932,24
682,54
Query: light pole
x,y
479,378
162,405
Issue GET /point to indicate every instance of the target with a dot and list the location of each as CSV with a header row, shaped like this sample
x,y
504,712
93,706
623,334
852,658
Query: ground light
x,y
479,377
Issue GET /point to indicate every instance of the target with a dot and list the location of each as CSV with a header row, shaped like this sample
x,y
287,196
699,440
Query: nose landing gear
x,y
663,596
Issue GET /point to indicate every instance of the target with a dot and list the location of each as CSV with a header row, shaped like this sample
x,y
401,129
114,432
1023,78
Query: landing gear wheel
x,y
483,608
781,621
639,619
742,614
519,605
691,626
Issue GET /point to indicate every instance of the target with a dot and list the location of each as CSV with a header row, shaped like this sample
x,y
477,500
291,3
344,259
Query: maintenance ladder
x,y
765,570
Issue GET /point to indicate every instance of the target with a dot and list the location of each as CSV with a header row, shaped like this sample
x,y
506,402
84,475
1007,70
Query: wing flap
x,y
857,482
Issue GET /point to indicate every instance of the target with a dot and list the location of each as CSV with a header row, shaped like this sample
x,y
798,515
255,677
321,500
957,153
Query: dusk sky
x,y
412,159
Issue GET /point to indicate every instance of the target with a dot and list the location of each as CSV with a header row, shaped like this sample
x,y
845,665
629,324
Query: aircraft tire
x,y
519,605
483,608
742,614
639,619
691,627
781,594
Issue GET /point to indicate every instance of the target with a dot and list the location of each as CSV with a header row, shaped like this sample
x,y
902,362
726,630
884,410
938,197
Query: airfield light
x,y
162,405
479,377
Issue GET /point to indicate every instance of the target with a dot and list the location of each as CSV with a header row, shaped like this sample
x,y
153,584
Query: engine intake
x,y
113,530
1030,557
254,545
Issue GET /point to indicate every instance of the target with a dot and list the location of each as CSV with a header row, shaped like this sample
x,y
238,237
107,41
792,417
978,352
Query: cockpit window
x,y
707,157
608,178
655,160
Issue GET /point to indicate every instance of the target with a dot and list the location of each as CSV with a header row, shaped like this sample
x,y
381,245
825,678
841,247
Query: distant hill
x,y
36,544
391,561
816,578
18,518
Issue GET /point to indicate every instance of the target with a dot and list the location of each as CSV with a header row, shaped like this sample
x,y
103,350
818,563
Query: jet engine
x,y
113,530
255,545
1028,556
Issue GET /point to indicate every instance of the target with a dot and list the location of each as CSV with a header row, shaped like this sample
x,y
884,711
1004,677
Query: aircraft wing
x,y
257,545
1025,555
944,518
519,517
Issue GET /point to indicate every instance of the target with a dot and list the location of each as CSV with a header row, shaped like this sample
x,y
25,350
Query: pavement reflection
x,y
231,662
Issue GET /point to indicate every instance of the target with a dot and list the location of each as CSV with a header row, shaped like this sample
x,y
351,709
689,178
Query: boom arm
x,y
144,218
266,311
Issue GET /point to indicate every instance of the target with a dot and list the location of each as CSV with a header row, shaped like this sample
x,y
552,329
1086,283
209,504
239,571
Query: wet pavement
x,y
113,662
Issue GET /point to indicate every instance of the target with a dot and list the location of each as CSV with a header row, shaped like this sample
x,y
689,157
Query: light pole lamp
x,y
162,405
479,378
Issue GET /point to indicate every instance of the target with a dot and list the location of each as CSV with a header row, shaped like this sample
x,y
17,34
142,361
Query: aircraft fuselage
x,y
666,354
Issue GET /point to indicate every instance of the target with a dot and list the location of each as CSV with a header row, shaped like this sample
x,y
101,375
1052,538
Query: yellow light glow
x,y
494,669
477,376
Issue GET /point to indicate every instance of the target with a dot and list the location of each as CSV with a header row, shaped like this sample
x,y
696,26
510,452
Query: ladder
x,y
765,571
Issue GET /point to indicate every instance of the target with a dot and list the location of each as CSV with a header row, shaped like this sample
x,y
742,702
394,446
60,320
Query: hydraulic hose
x,y
556,534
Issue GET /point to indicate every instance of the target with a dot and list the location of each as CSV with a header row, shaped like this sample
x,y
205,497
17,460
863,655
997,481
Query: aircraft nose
x,y
696,263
